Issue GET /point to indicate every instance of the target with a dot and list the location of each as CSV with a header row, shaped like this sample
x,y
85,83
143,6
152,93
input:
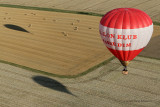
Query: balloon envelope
x,y
125,32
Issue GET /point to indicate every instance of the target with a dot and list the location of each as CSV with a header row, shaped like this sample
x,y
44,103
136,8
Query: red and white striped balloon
x,y
125,32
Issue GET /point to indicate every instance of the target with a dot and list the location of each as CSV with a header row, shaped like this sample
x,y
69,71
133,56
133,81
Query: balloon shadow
x,y
15,27
153,48
51,83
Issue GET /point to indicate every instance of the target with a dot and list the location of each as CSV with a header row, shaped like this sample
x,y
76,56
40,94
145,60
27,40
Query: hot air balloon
x,y
125,32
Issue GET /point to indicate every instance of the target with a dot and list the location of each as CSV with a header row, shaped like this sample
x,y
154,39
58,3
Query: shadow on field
x,y
51,83
15,27
153,48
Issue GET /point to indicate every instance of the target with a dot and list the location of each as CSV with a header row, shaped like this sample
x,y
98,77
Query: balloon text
x,y
117,44
124,37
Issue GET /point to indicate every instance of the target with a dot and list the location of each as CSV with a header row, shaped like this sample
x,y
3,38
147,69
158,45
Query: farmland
x,y
59,43
104,86
69,44
151,7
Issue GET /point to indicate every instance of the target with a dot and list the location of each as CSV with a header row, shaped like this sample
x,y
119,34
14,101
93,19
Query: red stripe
x,y
125,55
126,18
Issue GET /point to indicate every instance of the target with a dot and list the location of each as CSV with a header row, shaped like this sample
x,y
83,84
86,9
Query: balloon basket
x,y
125,72
125,64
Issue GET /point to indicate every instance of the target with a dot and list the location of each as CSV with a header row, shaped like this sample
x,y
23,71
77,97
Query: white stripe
x,y
143,37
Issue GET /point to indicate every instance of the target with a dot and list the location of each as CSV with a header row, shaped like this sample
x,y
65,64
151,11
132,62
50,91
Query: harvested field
x,y
58,43
105,86
151,7
68,44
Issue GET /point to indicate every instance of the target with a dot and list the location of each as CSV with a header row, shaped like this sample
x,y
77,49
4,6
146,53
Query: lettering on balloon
x,y
118,37
125,37
107,35
117,44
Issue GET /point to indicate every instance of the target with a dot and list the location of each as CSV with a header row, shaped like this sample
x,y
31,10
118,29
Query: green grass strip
x,y
149,57
58,10
156,23
50,9
55,75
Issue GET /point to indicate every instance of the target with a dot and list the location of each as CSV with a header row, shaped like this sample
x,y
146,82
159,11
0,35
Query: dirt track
x,y
151,7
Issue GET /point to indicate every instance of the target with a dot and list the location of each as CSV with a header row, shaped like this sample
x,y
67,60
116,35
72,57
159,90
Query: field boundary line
x,y
58,10
50,9
56,75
